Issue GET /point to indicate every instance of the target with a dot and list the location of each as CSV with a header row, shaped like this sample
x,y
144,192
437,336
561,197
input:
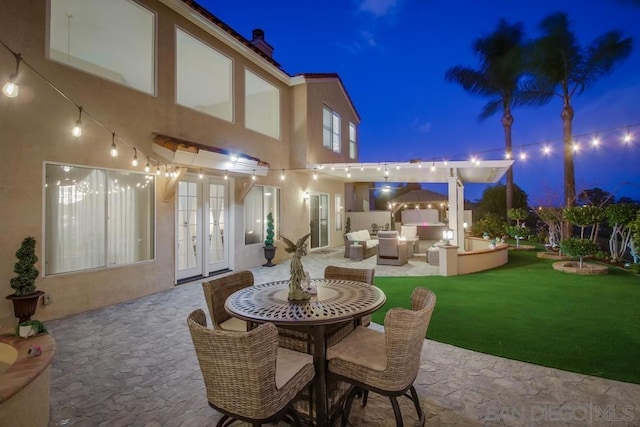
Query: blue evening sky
x,y
392,56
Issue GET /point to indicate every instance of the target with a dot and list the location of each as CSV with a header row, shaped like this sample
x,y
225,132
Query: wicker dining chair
x,y
365,275
246,375
217,291
386,362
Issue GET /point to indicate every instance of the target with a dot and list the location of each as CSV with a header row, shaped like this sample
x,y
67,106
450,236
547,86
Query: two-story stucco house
x,y
189,135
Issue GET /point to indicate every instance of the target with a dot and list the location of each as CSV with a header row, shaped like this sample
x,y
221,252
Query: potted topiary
x,y
269,248
25,297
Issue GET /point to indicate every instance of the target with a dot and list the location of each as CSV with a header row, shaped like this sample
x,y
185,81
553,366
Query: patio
x,y
134,364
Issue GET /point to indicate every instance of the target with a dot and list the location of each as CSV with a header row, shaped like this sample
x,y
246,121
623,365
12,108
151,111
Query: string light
x,y
433,167
253,176
114,149
546,150
523,156
595,142
226,174
77,129
627,138
507,155
348,173
315,174
11,88
445,162
166,171
282,175
576,147
158,170
201,174
420,165
134,161
147,167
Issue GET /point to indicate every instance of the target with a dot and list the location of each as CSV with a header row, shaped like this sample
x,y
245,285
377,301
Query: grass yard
x,y
527,311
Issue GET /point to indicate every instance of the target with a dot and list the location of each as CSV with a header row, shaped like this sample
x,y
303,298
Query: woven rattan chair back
x,y
365,275
239,371
217,291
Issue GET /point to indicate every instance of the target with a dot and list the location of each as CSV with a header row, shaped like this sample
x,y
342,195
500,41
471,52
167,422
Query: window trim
x,y
353,143
154,56
107,265
331,130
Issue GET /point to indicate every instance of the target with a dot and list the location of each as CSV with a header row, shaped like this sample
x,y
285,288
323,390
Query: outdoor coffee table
x,y
336,301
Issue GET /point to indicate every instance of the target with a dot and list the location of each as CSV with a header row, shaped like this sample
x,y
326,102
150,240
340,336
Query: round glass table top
x,y
336,300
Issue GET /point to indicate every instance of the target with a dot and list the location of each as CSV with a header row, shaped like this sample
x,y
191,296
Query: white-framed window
x,y
112,39
353,141
331,129
339,212
261,201
96,218
204,79
261,105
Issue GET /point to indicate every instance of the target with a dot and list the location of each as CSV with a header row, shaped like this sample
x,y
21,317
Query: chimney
x,y
259,42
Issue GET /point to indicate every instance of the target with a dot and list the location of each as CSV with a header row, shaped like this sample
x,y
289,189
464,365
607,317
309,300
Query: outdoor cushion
x,y
353,236
288,363
372,243
364,235
234,324
364,347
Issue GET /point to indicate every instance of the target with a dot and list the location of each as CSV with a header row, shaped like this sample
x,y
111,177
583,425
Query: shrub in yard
x,y
579,247
491,224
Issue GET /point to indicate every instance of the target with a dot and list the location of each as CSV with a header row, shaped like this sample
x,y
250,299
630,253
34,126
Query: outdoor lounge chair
x,y
217,291
386,362
391,250
246,375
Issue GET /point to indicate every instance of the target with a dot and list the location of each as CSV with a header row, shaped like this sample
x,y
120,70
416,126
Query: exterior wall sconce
x,y
465,225
306,195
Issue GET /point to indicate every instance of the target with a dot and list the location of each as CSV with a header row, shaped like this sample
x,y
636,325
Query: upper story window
x,y
261,106
331,129
353,141
203,77
112,39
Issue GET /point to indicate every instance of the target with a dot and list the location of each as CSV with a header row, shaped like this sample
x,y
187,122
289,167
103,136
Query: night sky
x,y
392,56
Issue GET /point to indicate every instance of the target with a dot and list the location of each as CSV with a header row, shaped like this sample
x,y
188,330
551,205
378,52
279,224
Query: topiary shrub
x,y
579,247
25,281
268,242
517,232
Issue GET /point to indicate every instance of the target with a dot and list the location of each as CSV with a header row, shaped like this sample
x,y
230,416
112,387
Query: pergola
x,y
454,174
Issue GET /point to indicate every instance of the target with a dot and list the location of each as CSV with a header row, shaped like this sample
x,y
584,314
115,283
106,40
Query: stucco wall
x,y
35,128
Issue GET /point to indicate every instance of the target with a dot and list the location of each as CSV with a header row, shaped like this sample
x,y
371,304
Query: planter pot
x,y
269,253
24,306
26,331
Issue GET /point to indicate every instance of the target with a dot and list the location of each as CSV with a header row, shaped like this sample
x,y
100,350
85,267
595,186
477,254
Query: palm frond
x,y
490,108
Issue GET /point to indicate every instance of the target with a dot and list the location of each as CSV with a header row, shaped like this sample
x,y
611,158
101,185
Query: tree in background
x,y
563,68
493,200
553,219
595,196
501,59
619,216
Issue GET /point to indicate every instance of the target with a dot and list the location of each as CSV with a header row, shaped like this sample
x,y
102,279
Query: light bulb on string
x,y
546,150
166,171
158,170
433,167
576,147
315,174
348,173
77,129
507,155
595,142
114,149
11,88
627,138
147,167
523,156
226,174
282,175
134,161
253,176
201,175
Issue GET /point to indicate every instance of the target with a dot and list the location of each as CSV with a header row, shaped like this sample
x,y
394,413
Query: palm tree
x,y
563,68
501,56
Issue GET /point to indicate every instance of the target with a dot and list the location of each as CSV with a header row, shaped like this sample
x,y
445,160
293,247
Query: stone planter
x,y
587,268
269,254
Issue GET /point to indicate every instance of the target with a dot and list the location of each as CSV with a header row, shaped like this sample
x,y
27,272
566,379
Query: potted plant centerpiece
x,y
25,296
269,248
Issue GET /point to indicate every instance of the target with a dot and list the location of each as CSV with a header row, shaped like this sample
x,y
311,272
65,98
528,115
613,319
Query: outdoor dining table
x,y
336,301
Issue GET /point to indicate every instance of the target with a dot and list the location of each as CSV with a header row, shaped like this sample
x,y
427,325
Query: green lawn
x,y
527,311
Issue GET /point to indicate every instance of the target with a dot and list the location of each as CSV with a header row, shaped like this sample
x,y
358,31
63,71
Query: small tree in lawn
x,y
579,247
619,216
520,230
585,216
634,243
552,217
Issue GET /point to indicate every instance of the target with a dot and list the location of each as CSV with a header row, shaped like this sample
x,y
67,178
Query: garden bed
x,y
587,268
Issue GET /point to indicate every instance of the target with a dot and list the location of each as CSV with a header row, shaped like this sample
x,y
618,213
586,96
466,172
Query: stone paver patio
x,y
133,364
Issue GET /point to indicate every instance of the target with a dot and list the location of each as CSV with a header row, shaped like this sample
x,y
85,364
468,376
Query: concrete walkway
x,y
133,364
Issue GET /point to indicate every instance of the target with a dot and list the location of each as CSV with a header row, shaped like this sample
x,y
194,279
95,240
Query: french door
x,y
319,220
201,219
